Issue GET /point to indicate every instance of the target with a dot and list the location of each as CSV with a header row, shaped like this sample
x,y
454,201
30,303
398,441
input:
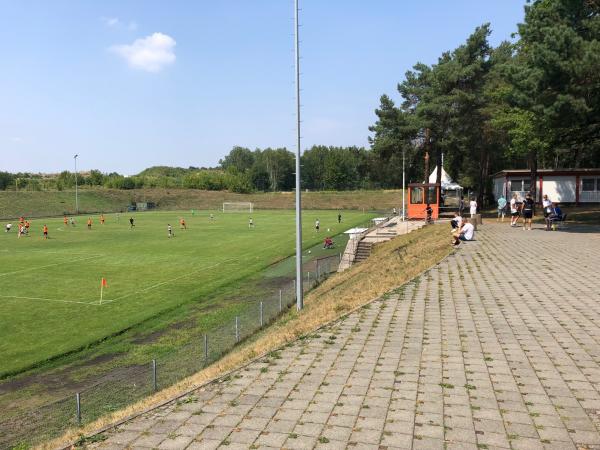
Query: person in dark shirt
x,y
527,210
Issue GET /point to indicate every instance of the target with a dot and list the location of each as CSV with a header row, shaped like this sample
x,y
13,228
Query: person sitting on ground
x,y
328,243
456,223
465,233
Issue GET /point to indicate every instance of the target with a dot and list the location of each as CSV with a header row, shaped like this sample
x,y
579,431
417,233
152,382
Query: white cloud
x,y
111,21
115,22
151,53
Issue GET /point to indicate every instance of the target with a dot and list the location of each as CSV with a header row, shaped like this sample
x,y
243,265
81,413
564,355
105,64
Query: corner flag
x,y
103,284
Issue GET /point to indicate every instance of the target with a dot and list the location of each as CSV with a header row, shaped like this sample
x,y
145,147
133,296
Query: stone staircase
x,y
363,251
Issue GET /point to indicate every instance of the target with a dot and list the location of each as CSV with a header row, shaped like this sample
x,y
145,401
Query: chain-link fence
x,y
21,424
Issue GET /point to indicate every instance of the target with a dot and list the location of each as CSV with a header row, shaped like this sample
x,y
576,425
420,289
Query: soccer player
x,y
27,225
45,230
8,227
131,225
212,216
101,219
65,221
72,222
182,224
339,218
317,225
20,231
250,223
170,230
89,223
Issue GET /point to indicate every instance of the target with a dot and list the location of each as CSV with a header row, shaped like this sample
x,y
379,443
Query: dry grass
x,y
50,203
391,265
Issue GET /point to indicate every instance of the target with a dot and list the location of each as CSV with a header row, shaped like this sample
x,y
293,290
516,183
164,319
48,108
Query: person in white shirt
x,y
547,206
514,211
465,233
473,206
456,223
8,227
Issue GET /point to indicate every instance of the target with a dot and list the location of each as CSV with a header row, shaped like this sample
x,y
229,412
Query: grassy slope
x,y
147,274
38,204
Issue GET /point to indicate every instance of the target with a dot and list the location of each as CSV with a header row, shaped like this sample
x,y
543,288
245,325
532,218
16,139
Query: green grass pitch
x,y
50,289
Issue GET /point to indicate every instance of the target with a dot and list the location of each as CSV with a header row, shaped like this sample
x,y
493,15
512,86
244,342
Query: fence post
x,y
280,301
261,315
237,329
206,349
78,408
154,374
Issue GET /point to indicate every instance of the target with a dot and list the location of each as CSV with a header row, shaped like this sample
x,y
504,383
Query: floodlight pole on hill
x,y
403,186
299,292
76,198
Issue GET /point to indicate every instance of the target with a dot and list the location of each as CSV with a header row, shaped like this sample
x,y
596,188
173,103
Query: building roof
x,y
512,172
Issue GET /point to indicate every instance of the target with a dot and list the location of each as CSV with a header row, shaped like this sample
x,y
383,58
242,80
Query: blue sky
x,y
131,84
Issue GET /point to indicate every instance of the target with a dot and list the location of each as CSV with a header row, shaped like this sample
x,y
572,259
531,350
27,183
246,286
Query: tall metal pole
x,y
403,187
299,293
76,198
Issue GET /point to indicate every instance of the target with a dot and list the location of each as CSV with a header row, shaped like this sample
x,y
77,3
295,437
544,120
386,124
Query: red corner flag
x,y
103,284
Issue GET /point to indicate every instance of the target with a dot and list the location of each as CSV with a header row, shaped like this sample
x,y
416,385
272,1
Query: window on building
x,y
416,195
520,185
598,186
588,184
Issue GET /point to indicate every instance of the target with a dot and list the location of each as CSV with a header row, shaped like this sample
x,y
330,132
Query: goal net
x,y
238,207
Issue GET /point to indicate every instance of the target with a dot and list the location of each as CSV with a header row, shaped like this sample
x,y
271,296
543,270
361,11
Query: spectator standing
x,y
473,207
547,206
501,208
527,209
514,211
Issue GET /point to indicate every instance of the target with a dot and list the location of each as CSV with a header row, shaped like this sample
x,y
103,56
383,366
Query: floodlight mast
x,y
299,290
76,199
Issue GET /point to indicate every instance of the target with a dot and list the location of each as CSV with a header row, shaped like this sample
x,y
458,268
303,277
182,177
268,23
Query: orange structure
x,y
419,196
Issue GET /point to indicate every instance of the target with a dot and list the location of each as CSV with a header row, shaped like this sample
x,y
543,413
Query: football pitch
x,y
50,290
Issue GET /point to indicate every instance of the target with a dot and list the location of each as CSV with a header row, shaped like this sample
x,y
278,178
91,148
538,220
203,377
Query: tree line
x,y
531,103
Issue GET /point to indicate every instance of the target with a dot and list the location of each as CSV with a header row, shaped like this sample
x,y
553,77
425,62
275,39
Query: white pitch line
x,y
46,299
50,265
168,281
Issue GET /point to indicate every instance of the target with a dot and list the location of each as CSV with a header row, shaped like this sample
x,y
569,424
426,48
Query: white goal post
x,y
238,207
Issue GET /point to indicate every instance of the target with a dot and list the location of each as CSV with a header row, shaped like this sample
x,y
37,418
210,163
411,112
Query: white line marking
x,y
45,299
50,265
168,281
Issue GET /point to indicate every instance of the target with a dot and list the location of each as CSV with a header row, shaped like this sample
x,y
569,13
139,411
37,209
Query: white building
x,y
561,185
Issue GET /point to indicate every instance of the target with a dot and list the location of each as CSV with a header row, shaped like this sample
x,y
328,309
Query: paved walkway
x,y
496,347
